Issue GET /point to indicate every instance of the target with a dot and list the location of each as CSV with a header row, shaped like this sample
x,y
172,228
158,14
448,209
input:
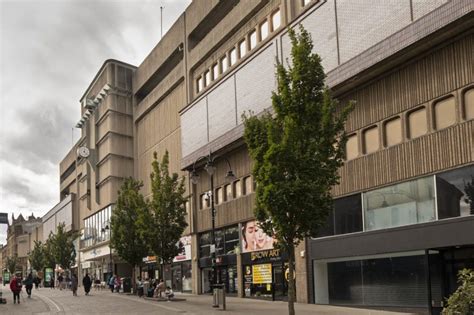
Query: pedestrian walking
x,y
60,282
74,285
15,286
87,282
29,284
111,283
117,283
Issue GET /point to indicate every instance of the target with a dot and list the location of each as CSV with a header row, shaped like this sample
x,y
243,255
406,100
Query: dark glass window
x,y
231,239
204,245
348,214
455,192
345,218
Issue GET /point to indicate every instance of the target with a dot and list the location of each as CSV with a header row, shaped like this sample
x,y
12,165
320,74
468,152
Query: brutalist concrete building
x,y
403,222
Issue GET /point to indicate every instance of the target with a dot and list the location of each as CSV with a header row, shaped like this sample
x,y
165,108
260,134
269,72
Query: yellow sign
x,y
262,273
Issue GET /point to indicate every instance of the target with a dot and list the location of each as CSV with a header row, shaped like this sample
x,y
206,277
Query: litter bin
x,y
219,296
127,285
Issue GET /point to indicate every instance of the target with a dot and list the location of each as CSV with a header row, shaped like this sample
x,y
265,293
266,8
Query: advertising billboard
x,y
254,239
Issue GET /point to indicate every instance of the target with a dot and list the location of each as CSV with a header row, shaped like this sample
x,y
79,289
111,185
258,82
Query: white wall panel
x,y
194,127
221,106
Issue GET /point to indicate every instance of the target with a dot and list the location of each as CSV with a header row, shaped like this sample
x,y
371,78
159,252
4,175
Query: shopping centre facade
x,y
403,219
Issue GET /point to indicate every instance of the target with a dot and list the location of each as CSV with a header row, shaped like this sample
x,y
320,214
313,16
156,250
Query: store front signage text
x,y
272,254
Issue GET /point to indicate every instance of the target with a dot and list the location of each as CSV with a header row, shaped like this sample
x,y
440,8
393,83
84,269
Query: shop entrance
x,y
176,276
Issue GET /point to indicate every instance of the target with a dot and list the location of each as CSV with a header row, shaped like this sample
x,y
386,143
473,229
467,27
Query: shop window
x,y
393,132
264,30
248,185
205,245
417,123
469,104
215,71
348,214
219,195
207,77
238,188
253,39
445,113
228,192
233,56
224,64
352,147
231,239
371,139
242,48
401,204
455,192
199,84
276,20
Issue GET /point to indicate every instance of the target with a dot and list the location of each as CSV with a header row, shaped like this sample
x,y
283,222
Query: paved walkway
x,y
48,301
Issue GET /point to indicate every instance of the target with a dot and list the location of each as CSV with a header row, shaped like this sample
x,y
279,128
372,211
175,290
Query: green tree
x,y
11,264
462,301
36,256
166,220
127,238
48,255
297,151
62,247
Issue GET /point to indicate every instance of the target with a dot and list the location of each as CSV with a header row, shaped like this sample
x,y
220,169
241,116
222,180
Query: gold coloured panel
x,y
417,123
445,113
371,139
469,104
393,132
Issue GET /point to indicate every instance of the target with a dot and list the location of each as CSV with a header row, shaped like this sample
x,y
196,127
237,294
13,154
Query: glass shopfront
x,y
265,275
97,227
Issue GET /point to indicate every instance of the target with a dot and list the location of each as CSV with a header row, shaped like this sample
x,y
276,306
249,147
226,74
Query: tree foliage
x,y
48,255
462,301
166,220
127,238
11,264
36,256
62,246
297,150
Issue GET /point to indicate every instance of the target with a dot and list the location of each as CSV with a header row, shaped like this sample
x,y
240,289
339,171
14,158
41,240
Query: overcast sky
x,y
50,50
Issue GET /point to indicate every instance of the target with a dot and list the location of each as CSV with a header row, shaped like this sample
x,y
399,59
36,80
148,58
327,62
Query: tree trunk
x,y
291,279
134,288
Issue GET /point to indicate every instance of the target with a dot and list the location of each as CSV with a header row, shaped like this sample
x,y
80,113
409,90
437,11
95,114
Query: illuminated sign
x,y
262,273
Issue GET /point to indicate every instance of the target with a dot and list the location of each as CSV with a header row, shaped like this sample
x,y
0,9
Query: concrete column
x,y
240,276
196,272
301,274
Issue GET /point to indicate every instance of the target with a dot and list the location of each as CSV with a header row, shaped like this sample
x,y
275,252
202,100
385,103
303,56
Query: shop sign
x,y
95,253
262,273
149,259
86,265
271,255
184,245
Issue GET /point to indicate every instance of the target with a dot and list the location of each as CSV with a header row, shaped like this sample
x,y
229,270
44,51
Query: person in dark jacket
x,y
74,284
87,283
29,284
15,286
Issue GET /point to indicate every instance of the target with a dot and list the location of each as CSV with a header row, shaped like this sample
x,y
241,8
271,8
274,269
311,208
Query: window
x,y
346,217
306,2
224,64
205,202
231,239
263,30
242,48
228,192
253,39
445,113
219,195
205,245
215,71
207,76
233,56
200,84
187,206
248,185
469,104
393,132
417,123
352,147
401,204
238,188
452,191
371,139
276,20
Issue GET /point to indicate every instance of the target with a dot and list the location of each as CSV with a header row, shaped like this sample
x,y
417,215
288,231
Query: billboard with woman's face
x,y
254,239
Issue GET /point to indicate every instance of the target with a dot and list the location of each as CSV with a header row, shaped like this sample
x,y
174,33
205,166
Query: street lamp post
x,y
104,230
211,168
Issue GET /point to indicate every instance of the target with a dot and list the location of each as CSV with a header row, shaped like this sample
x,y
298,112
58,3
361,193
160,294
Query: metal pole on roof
x,y
161,21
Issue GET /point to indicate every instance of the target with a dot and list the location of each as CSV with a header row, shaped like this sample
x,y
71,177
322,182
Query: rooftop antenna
x,y
161,21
